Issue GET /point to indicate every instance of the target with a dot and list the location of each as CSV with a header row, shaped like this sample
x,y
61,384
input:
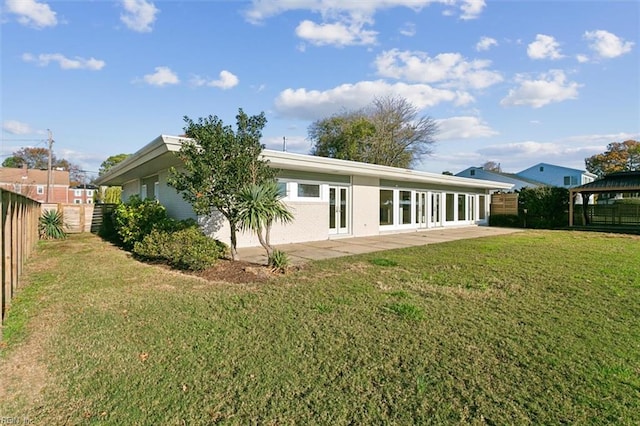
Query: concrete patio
x,y
300,253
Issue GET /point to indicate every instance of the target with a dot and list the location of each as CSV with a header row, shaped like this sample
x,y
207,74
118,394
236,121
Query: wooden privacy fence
x,y
504,204
19,236
81,217
76,217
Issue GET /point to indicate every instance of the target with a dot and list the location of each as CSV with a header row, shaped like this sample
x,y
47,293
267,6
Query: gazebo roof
x,y
619,181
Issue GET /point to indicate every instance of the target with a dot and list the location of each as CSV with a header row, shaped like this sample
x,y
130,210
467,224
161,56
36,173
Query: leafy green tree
x,y
12,162
218,163
619,157
341,136
260,206
113,195
110,162
388,132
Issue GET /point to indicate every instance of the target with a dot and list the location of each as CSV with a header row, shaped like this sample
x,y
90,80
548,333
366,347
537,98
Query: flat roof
x,y
159,154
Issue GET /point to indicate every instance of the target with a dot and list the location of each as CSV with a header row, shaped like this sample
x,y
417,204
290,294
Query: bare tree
x,y
492,166
388,132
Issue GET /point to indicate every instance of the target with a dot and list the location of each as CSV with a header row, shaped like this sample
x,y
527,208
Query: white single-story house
x,y
329,198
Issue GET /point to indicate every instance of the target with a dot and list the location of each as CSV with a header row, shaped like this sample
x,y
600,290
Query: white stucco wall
x,y
365,206
130,188
311,223
176,206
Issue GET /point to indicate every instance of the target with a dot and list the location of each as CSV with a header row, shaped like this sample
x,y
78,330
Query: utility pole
x,y
49,166
284,144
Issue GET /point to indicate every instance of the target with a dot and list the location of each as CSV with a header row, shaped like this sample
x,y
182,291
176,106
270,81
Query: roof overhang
x,y
160,154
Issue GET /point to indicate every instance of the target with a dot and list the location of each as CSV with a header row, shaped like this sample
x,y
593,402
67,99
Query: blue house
x,y
518,182
552,175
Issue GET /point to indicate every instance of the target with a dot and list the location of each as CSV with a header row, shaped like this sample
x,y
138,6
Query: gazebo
x,y
622,212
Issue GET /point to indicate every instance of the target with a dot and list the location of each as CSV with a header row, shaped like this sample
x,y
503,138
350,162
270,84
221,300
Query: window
x,y
89,192
40,189
77,201
78,192
482,214
386,207
282,189
89,200
472,172
306,190
462,206
449,206
405,207
542,168
149,188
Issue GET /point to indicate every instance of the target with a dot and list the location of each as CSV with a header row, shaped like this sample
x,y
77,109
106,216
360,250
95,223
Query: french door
x,y
421,209
436,199
338,210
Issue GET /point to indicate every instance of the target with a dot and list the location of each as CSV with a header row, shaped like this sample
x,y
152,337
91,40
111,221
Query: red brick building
x,y
32,183
82,194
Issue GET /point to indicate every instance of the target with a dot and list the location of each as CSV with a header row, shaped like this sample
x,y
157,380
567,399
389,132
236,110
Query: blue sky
x,y
516,82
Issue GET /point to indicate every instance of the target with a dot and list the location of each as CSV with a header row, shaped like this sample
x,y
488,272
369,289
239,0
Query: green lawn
x,y
537,327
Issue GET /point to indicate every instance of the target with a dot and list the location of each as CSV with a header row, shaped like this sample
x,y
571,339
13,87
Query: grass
x,y
537,327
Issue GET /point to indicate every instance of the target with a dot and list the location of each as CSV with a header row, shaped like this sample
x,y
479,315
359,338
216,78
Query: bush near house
x,y
143,227
546,207
186,249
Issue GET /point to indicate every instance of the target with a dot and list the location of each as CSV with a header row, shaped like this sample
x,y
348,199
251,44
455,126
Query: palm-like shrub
x,y
260,206
51,225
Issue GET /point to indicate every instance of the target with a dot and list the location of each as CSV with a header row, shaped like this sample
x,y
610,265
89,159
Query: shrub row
x,y
143,227
186,249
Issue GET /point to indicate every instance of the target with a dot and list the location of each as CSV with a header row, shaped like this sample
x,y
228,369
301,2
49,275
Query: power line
x,y
22,140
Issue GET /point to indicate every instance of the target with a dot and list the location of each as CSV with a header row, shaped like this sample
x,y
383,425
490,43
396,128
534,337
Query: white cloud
x,y
337,34
606,44
602,139
226,80
65,63
32,14
545,47
329,9
16,127
463,128
343,21
162,77
547,88
582,58
447,69
485,43
408,29
313,104
471,9
139,15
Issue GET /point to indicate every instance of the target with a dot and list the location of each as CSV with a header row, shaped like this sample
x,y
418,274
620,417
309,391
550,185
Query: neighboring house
x,y
33,183
328,197
517,181
82,194
553,175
